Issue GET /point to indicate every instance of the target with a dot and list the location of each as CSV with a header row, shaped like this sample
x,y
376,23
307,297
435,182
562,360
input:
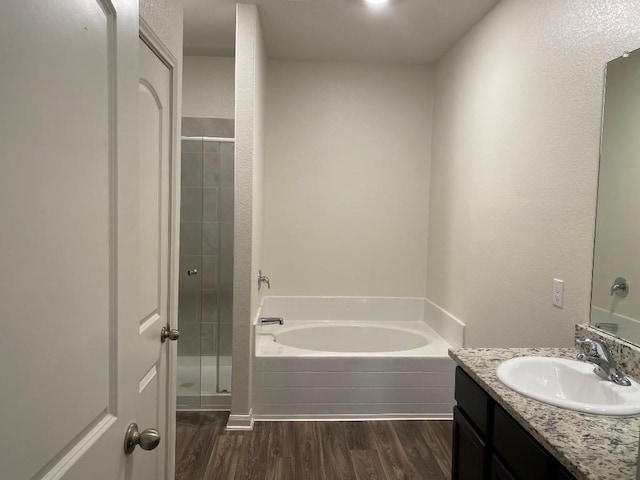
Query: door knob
x,y
147,439
193,271
170,333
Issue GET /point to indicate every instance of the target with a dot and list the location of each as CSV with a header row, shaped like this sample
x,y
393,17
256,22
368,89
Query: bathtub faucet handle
x,y
263,279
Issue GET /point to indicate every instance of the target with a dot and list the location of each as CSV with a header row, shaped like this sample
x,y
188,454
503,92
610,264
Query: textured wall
x,y
514,166
258,165
347,178
249,114
165,19
208,87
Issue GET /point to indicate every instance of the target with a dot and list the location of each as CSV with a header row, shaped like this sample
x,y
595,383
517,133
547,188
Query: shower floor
x,y
197,376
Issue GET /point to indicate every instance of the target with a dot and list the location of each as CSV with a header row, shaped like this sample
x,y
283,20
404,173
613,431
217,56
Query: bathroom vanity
x,y
500,434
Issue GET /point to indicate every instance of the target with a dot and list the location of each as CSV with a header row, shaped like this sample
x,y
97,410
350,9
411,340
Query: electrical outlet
x,y
558,292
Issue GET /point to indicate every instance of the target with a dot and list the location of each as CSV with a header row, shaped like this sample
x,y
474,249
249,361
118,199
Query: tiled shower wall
x,y
206,238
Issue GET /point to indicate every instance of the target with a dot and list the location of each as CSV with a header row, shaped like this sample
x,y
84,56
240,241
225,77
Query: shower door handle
x,y
170,333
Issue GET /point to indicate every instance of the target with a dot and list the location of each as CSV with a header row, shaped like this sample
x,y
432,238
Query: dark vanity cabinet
x,y
489,444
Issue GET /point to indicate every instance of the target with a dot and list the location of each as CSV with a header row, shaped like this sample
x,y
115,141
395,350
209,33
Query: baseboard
x,y
204,402
204,408
241,422
347,418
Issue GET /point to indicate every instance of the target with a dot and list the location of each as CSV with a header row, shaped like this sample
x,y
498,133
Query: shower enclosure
x,y
206,271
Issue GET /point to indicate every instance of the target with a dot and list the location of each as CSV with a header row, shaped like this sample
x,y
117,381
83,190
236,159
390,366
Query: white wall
x,y
347,178
618,228
165,19
259,127
249,115
208,87
514,166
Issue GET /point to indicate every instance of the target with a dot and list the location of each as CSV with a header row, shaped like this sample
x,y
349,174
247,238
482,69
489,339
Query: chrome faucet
x,y
604,364
620,287
270,321
263,279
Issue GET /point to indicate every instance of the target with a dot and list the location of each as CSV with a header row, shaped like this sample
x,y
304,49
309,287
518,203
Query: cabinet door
x,y
470,452
474,402
563,474
499,471
524,456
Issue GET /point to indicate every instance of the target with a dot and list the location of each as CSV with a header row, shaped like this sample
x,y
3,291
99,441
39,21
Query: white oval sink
x,y
569,384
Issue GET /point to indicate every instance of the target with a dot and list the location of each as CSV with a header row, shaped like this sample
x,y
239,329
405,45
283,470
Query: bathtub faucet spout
x,y
270,321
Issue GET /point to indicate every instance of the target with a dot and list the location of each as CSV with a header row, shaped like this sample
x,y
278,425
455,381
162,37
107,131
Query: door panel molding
x,y
77,448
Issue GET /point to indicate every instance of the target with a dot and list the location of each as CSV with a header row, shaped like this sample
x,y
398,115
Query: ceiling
x,y
406,31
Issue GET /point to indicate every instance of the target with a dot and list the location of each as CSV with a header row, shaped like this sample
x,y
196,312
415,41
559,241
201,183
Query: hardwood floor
x,y
386,450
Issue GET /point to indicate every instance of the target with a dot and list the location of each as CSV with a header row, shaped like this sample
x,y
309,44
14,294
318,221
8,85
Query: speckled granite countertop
x,y
591,447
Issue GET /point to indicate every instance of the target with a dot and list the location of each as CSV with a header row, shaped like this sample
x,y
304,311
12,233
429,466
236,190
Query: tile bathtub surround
x,y
627,355
189,343
210,168
191,172
191,238
591,447
210,238
208,127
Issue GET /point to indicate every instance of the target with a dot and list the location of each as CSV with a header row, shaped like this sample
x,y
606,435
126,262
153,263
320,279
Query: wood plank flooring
x,y
385,450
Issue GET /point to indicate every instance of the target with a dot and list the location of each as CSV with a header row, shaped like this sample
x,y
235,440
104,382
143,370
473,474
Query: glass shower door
x,y
206,273
190,290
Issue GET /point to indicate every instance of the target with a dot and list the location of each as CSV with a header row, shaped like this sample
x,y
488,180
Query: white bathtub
x,y
354,358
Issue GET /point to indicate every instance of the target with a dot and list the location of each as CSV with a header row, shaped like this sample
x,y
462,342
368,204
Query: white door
x,y
81,300
154,133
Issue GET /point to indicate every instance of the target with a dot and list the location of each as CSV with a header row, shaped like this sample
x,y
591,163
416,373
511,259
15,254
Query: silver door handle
x,y
193,271
147,439
170,333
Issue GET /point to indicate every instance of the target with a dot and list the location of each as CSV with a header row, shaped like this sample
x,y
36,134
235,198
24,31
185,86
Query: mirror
x,y
615,291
